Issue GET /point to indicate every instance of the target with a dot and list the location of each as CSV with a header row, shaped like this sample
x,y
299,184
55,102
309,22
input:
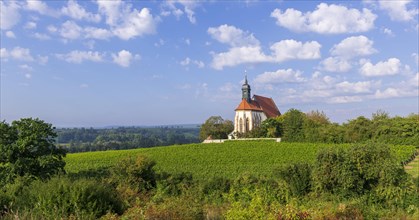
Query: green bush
x,y
61,197
134,172
297,176
358,170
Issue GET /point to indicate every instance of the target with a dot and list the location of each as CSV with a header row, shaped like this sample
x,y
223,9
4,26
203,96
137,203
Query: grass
x,y
413,167
204,161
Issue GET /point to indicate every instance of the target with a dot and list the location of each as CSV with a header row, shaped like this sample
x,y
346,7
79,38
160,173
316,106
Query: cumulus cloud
x,y
76,11
400,10
356,87
70,30
9,14
233,36
245,48
30,25
188,61
343,52
77,56
17,53
353,47
280,76
126,22
335,64
171,7
239,55
97,33
124,58
291,49
41,7
326,19
383,68
10,34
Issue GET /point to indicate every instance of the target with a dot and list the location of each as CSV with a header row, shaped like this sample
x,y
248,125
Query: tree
x,y
293,121
27,149
216,127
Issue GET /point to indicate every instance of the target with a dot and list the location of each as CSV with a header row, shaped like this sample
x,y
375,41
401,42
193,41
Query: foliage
x,y
216,127
60,197
357,170
293,121
297,176
136,172
95,139
27,149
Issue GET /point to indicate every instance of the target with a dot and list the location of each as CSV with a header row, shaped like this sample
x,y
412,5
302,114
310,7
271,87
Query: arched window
x,y
241,125
247,124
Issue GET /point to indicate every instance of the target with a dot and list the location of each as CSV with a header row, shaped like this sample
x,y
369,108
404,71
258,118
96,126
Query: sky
x,y
132,63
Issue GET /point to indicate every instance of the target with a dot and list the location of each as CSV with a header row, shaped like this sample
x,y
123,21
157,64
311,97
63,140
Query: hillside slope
x,y
210,160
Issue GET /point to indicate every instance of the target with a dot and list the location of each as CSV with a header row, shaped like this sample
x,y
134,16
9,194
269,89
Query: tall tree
x,y
27,149
216,127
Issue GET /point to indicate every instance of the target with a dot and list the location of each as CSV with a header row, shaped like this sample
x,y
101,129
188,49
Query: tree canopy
x,y
27,149
216,127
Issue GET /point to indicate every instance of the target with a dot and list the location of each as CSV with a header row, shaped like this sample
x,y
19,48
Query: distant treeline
x,y
94,139
315,127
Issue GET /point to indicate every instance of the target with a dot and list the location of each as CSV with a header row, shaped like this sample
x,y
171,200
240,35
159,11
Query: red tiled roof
x,y
267,105
244,105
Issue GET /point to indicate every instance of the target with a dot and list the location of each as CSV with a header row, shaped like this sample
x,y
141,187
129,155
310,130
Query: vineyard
x,y
204,161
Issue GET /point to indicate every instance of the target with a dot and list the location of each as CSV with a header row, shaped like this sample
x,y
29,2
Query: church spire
x,y
246,90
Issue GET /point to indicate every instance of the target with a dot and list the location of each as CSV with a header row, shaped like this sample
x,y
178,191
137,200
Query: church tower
x,y
246,90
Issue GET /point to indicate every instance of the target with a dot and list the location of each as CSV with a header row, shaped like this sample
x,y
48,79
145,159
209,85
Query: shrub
x,y
297,176
358,170
61,198
136,172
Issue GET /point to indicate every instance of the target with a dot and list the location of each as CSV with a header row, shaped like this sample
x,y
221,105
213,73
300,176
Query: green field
x,y
204,161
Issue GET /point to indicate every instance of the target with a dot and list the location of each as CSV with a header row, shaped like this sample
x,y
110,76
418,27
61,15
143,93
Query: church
x,y
251,112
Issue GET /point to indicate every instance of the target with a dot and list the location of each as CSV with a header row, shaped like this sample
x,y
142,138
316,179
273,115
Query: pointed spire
x,y
245,76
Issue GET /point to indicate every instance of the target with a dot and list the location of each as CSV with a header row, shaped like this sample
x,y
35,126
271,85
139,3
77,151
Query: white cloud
x,y
357,87
393,93
383,68
326,19
41,36
335,64
97,33
245,48
344,99
41,7
239,55
10,34
76,56
353,47
400,10
76,11
280,76
70,30
125,22
187,61
388,32
233,36
52,29
170,7
124,57
30,25
17,53
9,14
291,49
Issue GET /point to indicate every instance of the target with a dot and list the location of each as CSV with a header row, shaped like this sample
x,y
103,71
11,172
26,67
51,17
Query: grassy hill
x,y
204,161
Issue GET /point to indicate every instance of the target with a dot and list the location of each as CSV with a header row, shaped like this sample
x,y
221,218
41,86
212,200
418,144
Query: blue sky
x,y
99,63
